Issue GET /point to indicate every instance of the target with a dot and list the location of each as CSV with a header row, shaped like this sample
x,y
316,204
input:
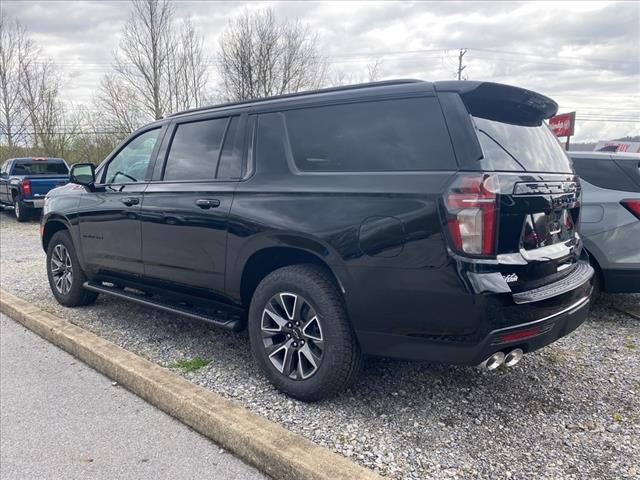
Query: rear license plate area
x,y
547,228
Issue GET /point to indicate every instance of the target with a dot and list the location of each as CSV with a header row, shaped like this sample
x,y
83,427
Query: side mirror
x,y
4,175
83,174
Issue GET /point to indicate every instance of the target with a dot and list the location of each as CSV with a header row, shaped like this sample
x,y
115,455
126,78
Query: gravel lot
x,y
571,410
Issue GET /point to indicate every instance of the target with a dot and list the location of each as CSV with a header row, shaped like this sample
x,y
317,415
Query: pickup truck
x,y
24,182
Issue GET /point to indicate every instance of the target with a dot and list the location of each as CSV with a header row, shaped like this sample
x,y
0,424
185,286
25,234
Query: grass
x,y
190,365
630,344
556,356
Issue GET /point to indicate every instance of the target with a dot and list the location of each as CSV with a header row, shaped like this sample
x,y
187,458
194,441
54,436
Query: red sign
x,y
562,125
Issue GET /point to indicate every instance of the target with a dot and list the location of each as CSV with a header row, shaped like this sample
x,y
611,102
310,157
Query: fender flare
x,y
324,252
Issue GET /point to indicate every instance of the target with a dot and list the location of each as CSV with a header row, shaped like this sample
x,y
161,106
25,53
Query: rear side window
x,y
604,173
527,148
376,136
40,168
195,150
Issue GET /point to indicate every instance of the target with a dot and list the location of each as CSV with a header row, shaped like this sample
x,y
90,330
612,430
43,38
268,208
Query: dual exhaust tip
x,y
499,358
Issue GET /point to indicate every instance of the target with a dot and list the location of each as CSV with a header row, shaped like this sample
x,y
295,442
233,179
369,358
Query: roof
x,y
515,105
304,94
593,154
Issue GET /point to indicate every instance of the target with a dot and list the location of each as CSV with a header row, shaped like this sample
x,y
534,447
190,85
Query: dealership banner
x,y
563,125
618,146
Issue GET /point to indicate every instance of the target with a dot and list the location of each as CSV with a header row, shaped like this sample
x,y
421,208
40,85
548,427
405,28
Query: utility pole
x,y
460,66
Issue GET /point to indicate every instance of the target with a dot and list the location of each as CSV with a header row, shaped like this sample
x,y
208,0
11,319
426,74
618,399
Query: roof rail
x,y
357,86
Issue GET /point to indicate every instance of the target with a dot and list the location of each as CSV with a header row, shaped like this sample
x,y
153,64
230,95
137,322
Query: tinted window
x,y
195,150
40,168
390,135
131,163
604,173
527,148
230,165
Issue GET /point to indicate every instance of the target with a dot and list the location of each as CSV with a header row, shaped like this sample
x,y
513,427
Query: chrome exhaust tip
x,y
494,361
513,357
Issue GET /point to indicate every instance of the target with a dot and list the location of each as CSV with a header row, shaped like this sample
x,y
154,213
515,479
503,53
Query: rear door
x,y
185,209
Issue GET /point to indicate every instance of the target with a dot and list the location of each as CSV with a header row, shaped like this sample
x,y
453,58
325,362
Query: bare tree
x,y
374,71
39,100
16,48
118,105
158,69
338,78
261,57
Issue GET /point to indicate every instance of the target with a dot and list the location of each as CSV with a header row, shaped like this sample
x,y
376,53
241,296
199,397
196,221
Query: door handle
x,y
129,201
207,203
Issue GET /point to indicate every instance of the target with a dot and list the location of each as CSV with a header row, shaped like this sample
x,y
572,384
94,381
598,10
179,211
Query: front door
x,y
185,210
109,215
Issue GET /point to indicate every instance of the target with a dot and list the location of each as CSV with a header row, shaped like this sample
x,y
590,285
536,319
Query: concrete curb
x,y
262,443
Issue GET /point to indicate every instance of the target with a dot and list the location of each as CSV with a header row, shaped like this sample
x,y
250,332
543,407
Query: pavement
x,y
61,419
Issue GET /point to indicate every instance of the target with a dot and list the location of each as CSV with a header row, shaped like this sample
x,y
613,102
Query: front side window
x,y
376,136
131,163
195,150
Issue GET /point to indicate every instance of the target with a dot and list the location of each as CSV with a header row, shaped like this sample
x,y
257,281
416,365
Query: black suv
x,y
428,221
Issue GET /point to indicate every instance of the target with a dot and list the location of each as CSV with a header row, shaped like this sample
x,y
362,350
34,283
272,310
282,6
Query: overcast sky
x,y
585,55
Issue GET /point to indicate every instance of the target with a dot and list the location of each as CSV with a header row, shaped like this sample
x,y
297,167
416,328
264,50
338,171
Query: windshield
x,y
40,168
521,148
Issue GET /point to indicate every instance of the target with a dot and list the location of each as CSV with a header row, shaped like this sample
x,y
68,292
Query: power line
x,y
587,59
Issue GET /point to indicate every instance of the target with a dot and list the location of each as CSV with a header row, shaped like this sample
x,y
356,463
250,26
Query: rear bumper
x,y
622,281
34,202
530,336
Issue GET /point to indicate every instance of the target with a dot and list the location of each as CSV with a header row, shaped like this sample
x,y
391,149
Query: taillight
x,y
25,186
472,213
633,205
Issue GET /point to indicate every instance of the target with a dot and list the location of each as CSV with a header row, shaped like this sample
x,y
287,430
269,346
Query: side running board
x,y
219,318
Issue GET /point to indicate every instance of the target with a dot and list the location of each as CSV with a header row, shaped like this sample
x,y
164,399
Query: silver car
x,y
610,225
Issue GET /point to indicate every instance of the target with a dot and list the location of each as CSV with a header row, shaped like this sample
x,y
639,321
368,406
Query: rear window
x,y
377,136
40,168
512,147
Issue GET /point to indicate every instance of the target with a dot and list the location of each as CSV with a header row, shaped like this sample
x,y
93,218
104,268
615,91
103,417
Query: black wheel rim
x,y
292,336
61,269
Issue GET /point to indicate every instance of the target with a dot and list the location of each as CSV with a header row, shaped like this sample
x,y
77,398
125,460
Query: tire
x,y
20,209
62,261
308,295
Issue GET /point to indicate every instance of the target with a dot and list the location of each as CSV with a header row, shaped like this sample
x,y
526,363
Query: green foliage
x,y
79,148
190,365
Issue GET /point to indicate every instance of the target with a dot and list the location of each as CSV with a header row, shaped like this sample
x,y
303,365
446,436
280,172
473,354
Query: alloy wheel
x,y
61,269
292,335
16,208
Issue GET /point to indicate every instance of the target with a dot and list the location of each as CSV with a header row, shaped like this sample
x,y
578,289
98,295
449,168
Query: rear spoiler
x,y
502,103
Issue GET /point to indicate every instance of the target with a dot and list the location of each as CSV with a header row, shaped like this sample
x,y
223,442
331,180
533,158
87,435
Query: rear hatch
x,y
516,208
